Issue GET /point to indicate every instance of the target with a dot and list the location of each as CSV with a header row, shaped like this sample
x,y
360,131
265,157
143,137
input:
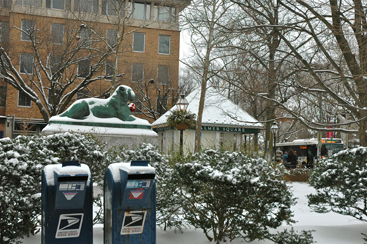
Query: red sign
x,y
330,134
136,194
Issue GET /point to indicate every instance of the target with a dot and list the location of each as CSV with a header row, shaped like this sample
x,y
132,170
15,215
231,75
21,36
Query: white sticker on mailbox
x,y
133,223
69,225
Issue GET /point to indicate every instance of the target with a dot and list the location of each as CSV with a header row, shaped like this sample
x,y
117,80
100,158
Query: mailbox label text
x,y
69,225
133,223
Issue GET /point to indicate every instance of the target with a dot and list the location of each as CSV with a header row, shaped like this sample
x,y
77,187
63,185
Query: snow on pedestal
x,y
108,119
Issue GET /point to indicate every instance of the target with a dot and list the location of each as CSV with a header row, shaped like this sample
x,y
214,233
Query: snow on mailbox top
x,y
83,169
128,168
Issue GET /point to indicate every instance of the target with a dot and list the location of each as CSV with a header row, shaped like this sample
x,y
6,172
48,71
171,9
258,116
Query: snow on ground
x,y
330,228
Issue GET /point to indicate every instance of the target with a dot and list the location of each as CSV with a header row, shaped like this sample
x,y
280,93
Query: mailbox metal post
x,y
67,199
130,203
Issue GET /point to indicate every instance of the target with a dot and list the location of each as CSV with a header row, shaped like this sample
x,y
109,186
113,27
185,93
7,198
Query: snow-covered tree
x,y
53,74
229,195
341,184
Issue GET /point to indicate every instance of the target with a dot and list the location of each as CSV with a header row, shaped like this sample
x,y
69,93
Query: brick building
x,y
147,55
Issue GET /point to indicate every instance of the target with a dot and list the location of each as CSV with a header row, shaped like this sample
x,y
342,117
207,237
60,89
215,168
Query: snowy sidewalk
x,y
330,228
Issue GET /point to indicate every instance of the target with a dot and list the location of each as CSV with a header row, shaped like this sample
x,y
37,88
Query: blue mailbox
x,y
130,203
67,200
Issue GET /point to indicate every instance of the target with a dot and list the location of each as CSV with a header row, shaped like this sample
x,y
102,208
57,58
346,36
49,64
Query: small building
x,y
224,125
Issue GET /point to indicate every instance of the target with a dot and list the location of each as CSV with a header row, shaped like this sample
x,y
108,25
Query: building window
x,y
137,72
138,42
6,3
27,29
86,6
57,33
162,104
84,68
52,95
141,11
111,39
55,63
4,32
82,94
3,90
26,63
165,13
164,44
163,74
56,4
85,37
23,100
35,3
112,7
109,69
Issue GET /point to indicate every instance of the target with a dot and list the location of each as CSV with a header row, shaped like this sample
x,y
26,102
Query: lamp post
x,y
274,129
182,104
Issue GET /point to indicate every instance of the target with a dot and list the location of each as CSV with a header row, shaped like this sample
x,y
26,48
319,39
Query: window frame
x,y
33,3
158,74
79,6
85,38
169,45
56,32
169,10
50,4
132,72
109,65
79,70
25,98
3,92
21,63
23,35
51,63
111,38
138,51
4,31
146,10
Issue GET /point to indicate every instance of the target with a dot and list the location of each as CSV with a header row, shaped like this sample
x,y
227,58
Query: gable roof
x,y
218,111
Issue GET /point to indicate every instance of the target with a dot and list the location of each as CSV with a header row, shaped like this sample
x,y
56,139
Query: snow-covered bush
x,y
229,195
341,184
21,162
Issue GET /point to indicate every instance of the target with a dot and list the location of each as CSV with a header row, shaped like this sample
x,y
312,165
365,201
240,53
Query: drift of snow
x,y
330,228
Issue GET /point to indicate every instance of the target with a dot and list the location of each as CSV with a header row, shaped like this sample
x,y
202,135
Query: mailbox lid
x,y
70,192
138,190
